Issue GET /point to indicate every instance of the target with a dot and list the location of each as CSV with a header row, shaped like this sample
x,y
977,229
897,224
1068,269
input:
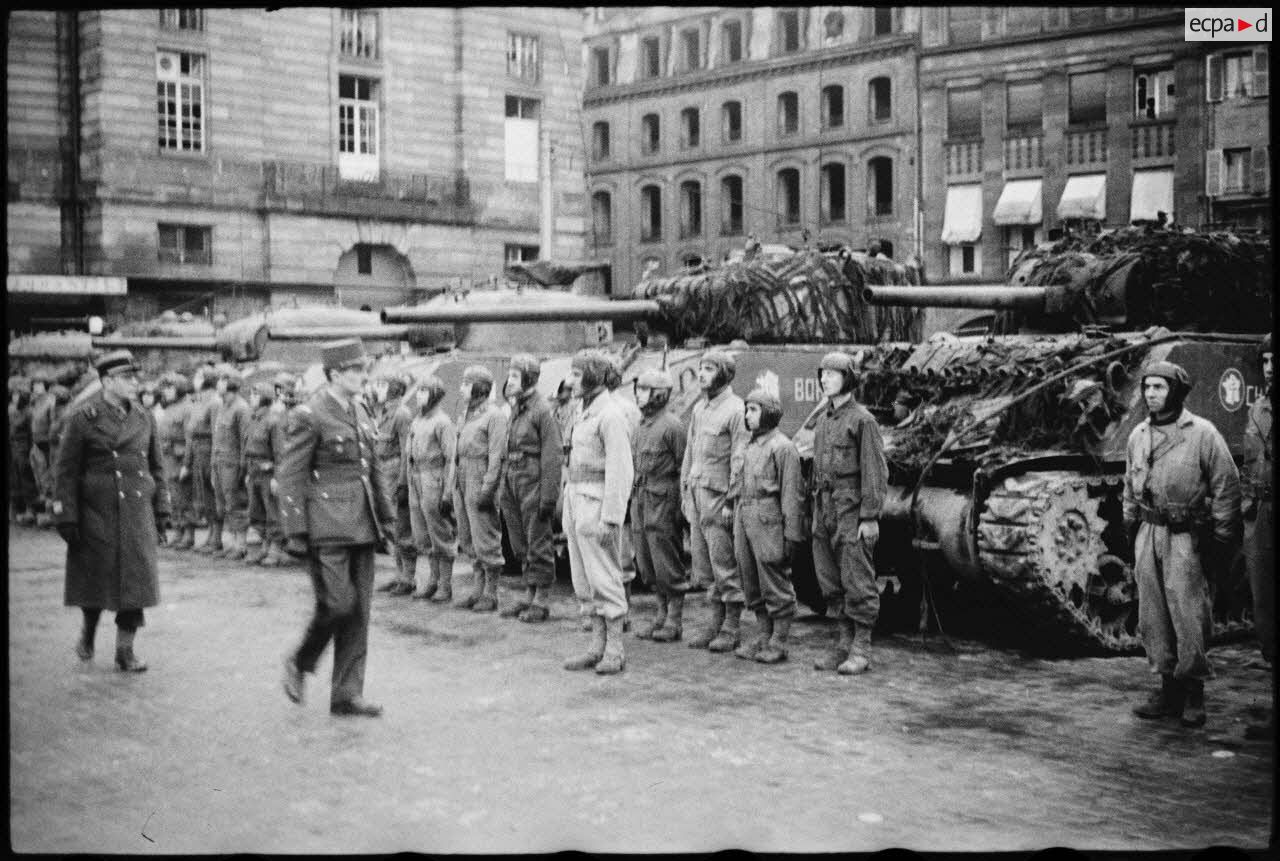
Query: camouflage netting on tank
x,y
1151,276
547,273
804,297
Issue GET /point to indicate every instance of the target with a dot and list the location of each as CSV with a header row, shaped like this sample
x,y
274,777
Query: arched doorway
x,y
373,275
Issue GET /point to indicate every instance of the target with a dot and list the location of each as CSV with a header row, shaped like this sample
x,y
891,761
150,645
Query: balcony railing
x,y
1087,148
1153,140
1024,152
964,159
317,187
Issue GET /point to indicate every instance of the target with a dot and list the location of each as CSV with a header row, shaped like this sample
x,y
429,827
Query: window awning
x,y
76,285
1019,203
1152,193
1084,197
962,219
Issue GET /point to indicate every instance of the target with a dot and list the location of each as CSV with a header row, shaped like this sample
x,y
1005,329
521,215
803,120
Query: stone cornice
x,y
1055,35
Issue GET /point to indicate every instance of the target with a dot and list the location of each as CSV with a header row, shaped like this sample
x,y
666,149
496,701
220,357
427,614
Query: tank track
x,y
1041,542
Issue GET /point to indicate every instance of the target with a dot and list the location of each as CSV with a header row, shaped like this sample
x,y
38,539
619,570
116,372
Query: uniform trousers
x,y
760,547
1174,603
231,499
530,535
22,480
434,535
263,514
42,469
479,532
202,494
597,576
844,564
1260,560
404,530
342,578
711,545
179,491
653,531
126,620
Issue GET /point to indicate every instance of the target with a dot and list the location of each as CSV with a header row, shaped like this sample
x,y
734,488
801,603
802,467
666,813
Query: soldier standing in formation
x,y
482,441
286,386
631,412
529,487
22,482
172,430
595,506
850,481
111,506
263,440
41,445
198,461
768,524
1259,523
394,420
716,436
657,452
429,470
1178,474
334,509
230,431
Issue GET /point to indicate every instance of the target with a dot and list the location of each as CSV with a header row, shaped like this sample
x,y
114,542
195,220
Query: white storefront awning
x,y
74,285
962,219
1152,194
1019,203
1084,197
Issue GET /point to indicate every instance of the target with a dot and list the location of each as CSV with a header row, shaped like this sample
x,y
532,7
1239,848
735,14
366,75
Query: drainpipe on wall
x,y
547,199
73,218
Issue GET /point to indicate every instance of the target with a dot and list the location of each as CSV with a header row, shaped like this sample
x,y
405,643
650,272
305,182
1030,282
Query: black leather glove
x,y
484,500
70,533
296,545
446,506
547,511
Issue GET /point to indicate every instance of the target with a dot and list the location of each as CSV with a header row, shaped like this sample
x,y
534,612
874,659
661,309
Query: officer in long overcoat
x,y
110,503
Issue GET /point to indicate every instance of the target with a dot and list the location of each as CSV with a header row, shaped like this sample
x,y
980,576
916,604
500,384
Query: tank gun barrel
x,y
156,342
988,296
624,309
333,333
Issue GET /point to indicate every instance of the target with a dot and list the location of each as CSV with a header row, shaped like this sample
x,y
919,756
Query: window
x,y
522,57
690,209
1236,169
732,205
1022,19
690,128
788,196
788,113
1153,94
359,36
1018,238
690,50
731,116
964,23
691,261
832,106
180,101
600,141
879,100
966,259
880,186
964,113
650,134
521,131
182,19
358,127
1087,98
1024,107
831,200
731,42
520,253
833,25
180,243
364,259
1244,74
600,66
602,217
650,214
650,57
789,31
882,21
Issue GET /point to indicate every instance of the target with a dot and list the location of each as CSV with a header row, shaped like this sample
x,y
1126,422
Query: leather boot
x,y
398,556
489,600
613,660
595,651
1165,702
443,569
775,651
671,628
706,635
646,629
188,539
426,586
126,660
538,609
1193,708
839,653
859,660
84,645
477,588
238,548
213,543
254,554
764,630
626,619
520,606
275,555
728,638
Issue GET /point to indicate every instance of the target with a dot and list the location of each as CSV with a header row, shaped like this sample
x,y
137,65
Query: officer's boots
x,y
520,606
425,588
595,651
705,636
728,638
859,660
646,630
775,651
88,626
239,549
764,630
1165,702
213,543
839,653
613,660
188,538
255,554
538,609
1193,708
443,570
398,557
488,601
671,628
477,588
126,660
405,577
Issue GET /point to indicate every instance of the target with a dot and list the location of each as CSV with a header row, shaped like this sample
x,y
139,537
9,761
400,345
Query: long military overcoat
x,y
109,483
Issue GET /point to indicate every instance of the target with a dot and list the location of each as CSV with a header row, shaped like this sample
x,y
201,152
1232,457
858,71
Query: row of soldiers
x,y
37,405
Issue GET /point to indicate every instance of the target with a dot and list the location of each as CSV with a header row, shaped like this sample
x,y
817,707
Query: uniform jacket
x,y
600,459
329,486
200,425
769,486
42,419
564,414
848,457
482,443
231,431
716,437
1185,472
172,429
260,451
534,437
19,426
109,482
1259,452
657,450
433,450
393,436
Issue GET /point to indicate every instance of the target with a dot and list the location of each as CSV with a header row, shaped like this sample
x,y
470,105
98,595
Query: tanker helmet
x,y
595,366
724,364
659,384
844,364
430,392
479,378
1265,347
233,378
529,370
1178,379
266,390
770,408
613,378
396,387
61,394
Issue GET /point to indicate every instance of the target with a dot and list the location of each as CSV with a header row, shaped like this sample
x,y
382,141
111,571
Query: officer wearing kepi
x,y
482,443
333,507
1259,523
850,481
1179,479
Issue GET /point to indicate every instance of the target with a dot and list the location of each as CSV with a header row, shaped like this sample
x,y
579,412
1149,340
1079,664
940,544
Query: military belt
x,y
1160,517
427,463
582,474
517,456
829,484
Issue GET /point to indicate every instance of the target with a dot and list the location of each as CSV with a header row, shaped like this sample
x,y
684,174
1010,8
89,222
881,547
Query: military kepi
x,y
114,361
337,355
